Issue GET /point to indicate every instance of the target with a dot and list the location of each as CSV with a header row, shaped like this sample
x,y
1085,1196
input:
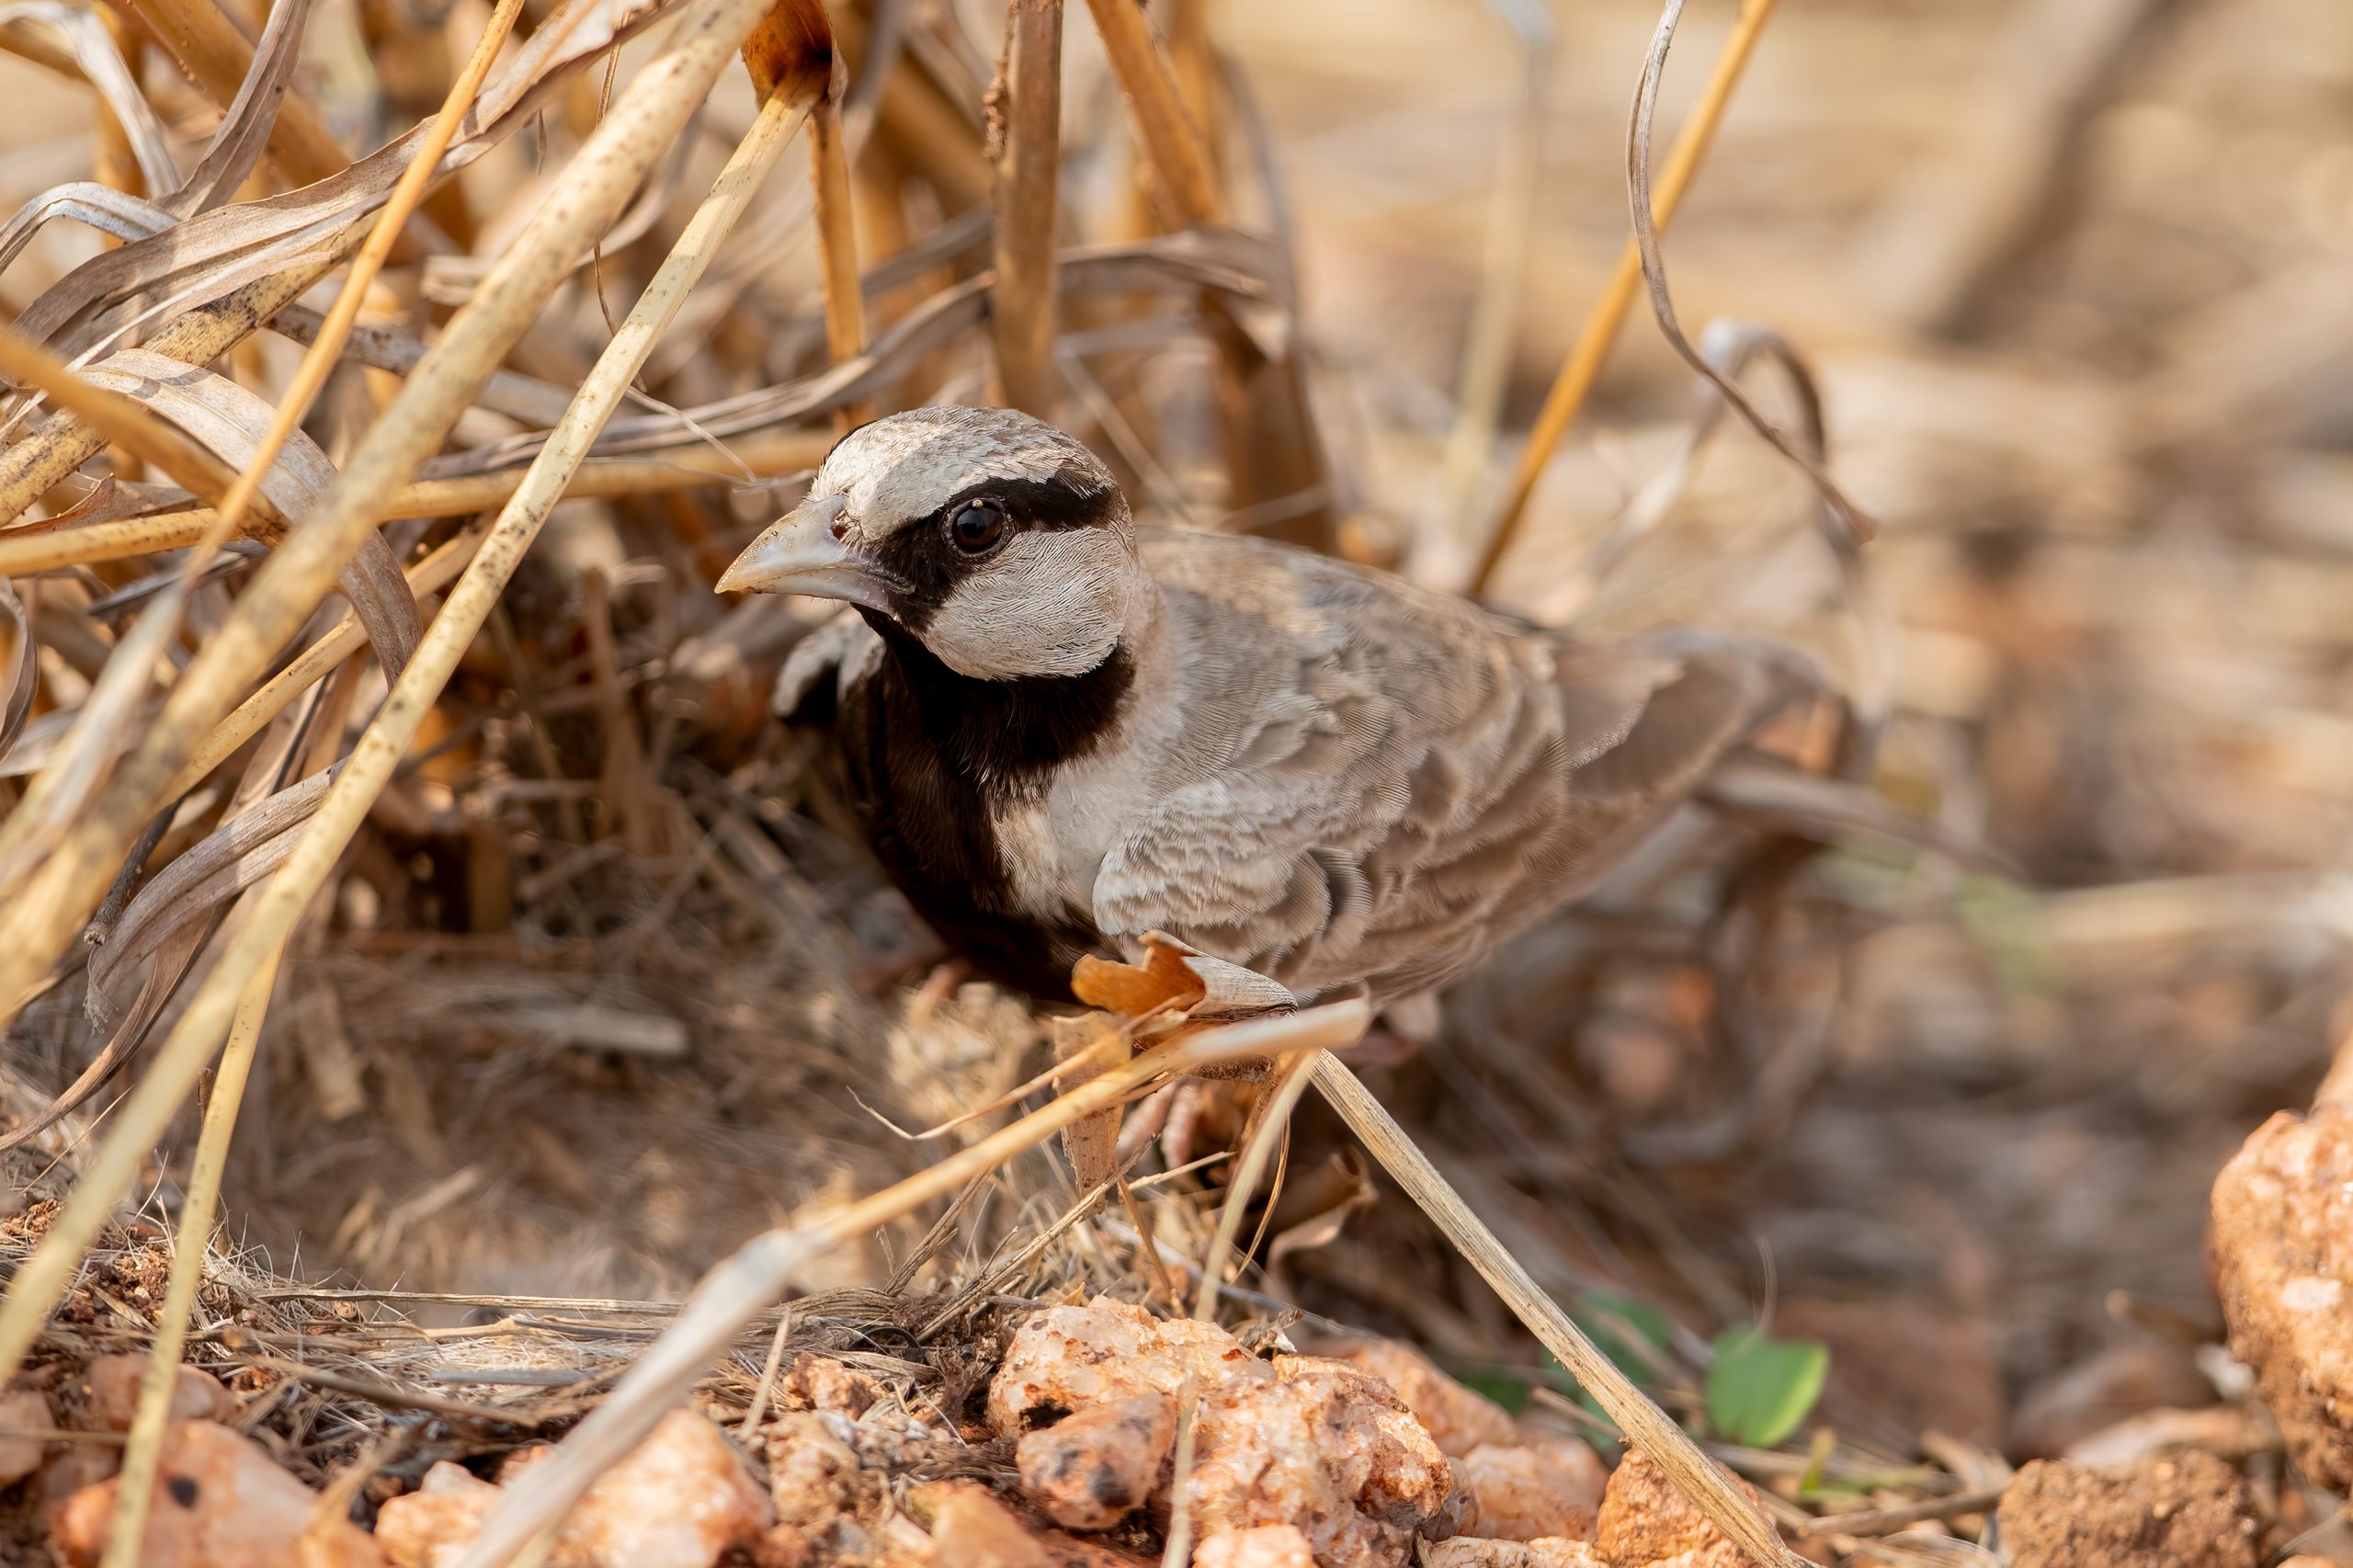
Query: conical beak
x,y
800,556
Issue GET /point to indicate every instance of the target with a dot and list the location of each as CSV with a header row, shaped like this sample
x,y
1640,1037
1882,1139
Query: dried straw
x,y
594,186
1591,351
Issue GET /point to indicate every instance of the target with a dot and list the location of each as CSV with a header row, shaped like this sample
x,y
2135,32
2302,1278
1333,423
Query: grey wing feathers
x,y
1426,788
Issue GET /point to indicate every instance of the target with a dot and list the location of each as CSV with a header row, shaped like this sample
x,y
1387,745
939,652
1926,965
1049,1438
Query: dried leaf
x,y
102,206
230,859
1162,980
229,421
245,129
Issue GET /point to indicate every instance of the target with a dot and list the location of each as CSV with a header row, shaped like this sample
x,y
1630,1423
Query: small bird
x,y
1065,731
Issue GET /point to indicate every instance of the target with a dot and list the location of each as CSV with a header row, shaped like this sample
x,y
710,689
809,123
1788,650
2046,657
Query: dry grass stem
x,y
1591,351
127,1532
1647,1426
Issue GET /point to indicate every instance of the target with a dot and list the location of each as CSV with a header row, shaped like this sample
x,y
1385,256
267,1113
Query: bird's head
x,y
999,543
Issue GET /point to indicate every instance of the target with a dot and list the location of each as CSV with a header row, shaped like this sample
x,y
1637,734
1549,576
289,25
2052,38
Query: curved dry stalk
x,y
326,349
1021,309
742,1287
1858,524
1647,1426
103,67
118,420
103,208
65,441
38,923
127,1530
1582,367
649,113
237,142
217,58
227,421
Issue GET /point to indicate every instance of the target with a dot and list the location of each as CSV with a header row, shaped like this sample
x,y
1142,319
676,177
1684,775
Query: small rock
x,y
812,1473
19,1457
111,1389
1324,1446
1645,1518
2185,1510
1268,1546
1545,1552
679,1500
970,1528
782,1546
220,1502
1458,1419
2282,1258
819,1382
1090,1469
1065,1359
430,1526
1526,1492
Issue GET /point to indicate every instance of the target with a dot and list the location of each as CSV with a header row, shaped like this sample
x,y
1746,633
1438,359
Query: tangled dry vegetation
x,y
425,960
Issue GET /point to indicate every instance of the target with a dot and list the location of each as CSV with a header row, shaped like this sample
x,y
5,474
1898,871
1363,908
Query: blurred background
x,y
600,984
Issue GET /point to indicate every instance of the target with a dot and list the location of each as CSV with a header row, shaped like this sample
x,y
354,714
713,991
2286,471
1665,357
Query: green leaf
x,y
1634,1336
1503,1388
1760,1388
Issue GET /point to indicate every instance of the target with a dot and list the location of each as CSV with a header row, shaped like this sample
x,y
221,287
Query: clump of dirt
x,y
1645,1518
2283,1258
2180,1510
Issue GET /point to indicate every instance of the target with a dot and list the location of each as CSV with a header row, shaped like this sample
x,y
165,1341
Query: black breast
x,y
932,754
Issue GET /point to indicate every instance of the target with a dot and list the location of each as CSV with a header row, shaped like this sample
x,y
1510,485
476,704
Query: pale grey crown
x,y
902,469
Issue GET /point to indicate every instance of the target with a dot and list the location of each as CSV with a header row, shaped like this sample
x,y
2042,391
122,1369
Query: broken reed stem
x,y
216,57
65,441
126,1530
837,244
41,919
733,1294
1648,1427
766,455
1021,306
326,348
1591,350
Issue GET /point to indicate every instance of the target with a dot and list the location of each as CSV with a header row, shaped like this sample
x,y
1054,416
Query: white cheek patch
x,y
1050,604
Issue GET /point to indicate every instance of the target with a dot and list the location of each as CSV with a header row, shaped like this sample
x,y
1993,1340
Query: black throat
x,y
933,755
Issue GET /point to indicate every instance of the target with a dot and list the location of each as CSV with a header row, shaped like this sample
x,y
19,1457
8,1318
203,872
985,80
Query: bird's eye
x,y
976,525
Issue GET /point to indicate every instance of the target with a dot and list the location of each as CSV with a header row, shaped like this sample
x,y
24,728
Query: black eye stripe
x,y
925,566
